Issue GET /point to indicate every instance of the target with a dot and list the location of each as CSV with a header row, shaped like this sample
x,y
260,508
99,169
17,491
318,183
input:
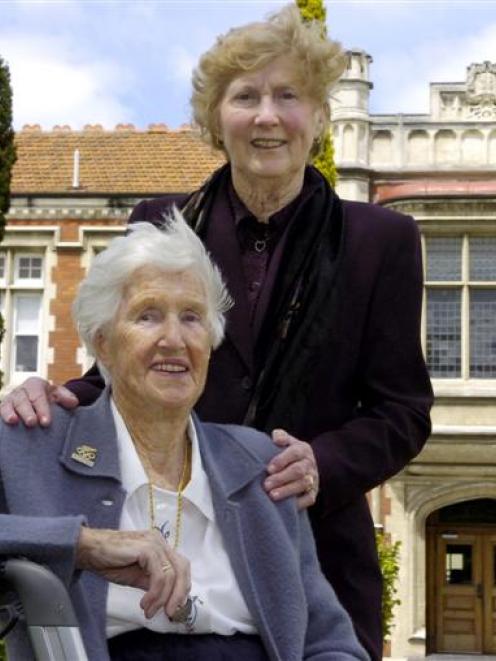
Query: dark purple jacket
x,y
369,410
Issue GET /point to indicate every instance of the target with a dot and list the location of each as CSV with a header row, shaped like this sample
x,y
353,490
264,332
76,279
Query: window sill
x,y
464,387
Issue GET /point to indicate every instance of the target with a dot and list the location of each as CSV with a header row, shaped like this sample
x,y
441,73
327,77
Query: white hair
x,y
172,247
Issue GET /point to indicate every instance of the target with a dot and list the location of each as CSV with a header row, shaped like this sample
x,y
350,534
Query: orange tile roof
x,y
125,160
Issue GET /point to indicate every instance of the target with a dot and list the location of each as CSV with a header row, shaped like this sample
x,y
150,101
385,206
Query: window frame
x,y
11,288
19,375
465,383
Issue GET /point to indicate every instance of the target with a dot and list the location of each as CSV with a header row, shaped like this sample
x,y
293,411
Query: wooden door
x,y
489,593
464,594
459,591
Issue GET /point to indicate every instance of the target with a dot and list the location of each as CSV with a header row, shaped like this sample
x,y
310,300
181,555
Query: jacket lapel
x,y
222,243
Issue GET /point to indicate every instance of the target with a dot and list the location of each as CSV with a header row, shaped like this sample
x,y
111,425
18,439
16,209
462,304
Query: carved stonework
x,y
451,105
473,100
424,497
481,90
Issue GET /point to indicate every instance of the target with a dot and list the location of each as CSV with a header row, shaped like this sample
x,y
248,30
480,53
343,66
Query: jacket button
x,y
246,383
108,502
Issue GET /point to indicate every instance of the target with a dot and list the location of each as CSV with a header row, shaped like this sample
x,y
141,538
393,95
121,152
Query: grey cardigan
x,y
46,495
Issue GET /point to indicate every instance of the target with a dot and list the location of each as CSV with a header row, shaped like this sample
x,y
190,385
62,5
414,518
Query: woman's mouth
x,y
169,367
267,143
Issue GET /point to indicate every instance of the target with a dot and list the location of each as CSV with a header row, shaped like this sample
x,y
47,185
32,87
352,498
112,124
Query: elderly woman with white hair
x,y
157,523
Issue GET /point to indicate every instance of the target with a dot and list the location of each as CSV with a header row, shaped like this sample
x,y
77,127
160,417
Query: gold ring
x,y
311,484
166,567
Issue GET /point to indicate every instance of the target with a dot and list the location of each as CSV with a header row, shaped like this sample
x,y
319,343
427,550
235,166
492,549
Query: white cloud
x,y
402,78
180,64
52,85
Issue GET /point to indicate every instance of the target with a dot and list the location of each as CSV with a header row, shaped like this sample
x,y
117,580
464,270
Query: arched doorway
x,y
461,578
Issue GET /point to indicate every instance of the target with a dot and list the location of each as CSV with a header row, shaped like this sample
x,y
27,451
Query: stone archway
x,y
411,503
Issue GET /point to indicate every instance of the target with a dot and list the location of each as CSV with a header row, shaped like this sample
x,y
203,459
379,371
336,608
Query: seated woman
x,y
158,523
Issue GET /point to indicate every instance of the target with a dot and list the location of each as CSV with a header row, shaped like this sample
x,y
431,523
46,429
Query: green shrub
x,y
390,567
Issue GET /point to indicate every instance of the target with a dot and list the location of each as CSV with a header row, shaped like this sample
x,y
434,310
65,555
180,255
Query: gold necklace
x,y
179,506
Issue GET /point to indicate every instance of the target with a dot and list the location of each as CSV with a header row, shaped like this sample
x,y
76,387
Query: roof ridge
x,y
154,127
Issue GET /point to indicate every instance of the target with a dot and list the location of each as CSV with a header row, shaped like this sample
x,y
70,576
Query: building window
x,y
21,299
28,268
25,336
460,328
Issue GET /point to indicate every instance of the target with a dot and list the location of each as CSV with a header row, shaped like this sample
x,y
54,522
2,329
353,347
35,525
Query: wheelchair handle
x,y
43,595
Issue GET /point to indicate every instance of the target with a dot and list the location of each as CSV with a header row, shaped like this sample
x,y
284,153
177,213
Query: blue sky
x,y
109,61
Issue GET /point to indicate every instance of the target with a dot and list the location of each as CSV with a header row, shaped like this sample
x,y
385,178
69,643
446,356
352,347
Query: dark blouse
x,y
261,244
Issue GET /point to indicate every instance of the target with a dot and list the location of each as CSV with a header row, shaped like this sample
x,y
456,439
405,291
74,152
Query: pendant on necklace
x,y
260,245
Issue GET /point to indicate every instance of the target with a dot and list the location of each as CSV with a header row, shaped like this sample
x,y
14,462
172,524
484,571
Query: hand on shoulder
x,y
30,402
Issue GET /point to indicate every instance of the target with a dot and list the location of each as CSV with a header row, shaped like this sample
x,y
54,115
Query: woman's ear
x,y
101,347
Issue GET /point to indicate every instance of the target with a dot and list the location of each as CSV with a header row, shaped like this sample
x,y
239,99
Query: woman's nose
x,y
267,113
171,335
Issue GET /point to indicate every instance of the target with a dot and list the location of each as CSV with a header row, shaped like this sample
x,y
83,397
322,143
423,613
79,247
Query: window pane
x,y
26,331
29,268
483,333
27,314
458,564
483,259
2,266
444,332
26,359
444,258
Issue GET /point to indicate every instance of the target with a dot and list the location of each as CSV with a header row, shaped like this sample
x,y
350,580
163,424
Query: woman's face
x,y
267,123
158,348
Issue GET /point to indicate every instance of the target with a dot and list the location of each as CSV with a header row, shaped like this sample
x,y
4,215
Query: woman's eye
x,y
148,315
244,96
191,317
288,95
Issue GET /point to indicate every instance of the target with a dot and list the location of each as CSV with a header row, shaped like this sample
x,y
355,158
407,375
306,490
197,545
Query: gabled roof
x,y
125,160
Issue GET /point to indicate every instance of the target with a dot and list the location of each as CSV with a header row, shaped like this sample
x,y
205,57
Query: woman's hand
x,y
30,402
140,559
293,472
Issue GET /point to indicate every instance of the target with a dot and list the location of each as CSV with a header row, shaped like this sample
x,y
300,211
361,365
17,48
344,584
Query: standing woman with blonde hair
x,y
322,345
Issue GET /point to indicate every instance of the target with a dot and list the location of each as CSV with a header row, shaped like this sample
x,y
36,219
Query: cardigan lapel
x,y
242,513
90,448
229,470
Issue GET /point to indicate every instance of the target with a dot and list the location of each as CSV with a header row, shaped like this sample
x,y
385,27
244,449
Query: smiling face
x,y
158,348
268,123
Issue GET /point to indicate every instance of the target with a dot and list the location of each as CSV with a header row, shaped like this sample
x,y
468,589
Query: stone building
x,y
73,190
440,168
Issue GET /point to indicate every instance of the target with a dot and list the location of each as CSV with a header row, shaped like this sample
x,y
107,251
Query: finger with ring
x,y
311,483
166,567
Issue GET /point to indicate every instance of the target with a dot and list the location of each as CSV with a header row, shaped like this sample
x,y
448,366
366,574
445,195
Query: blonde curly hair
x,y
319,62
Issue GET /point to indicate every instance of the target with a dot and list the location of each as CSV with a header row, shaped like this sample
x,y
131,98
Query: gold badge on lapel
x,y
85,454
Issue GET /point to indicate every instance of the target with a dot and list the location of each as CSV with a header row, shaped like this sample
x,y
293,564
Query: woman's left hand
x,y
293,472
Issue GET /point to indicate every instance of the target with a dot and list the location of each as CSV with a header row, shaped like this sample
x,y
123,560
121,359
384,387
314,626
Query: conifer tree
x,y
314,10
7,147
7,157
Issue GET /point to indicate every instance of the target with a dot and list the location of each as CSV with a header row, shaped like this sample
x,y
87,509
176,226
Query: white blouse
x,y
218,605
